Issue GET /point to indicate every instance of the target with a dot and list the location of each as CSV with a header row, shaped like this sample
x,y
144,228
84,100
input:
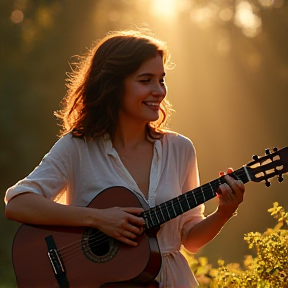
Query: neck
x,y
127,137
129,133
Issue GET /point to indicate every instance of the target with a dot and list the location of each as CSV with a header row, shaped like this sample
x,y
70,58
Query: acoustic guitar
x,y
48,256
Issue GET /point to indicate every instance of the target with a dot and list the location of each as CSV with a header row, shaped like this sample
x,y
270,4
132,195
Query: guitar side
x,y
84,265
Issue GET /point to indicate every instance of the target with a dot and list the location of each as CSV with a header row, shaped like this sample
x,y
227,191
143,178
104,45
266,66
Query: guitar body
x,y
89,257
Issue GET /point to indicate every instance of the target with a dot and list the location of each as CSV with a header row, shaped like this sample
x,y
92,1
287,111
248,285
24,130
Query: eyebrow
x,y
150,75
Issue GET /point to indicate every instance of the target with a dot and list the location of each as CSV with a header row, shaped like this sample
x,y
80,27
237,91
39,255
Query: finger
x,y
138,221
230,170
127,241
136,231
133,210
131,233
235,185
221,173
226,192
132,218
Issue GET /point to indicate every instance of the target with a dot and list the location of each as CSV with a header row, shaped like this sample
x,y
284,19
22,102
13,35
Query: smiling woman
x,y
118,56
144,89
115,159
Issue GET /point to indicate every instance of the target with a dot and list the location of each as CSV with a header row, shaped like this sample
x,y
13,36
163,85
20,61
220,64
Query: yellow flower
x,y
221,262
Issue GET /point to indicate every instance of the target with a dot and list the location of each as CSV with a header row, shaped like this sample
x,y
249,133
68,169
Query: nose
x,y
159,90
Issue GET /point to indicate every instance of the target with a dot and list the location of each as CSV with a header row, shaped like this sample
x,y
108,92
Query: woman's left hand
x,y
230,194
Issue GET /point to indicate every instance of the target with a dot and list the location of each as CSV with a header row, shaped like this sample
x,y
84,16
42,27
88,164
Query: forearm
x,y
230,196
204,231
120,223
35,209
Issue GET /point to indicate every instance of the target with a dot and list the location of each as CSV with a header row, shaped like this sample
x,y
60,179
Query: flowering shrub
x,y
268,269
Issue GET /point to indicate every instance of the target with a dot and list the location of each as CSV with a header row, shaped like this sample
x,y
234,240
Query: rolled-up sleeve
x,y
48,179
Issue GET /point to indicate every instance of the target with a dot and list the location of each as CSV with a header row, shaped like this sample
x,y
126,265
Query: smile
x,y
152,104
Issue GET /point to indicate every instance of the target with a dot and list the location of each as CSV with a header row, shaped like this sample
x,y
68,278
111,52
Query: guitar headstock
x,y
272,164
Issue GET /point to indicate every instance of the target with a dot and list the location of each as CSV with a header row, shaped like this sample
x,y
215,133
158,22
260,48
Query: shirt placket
x,y
155,172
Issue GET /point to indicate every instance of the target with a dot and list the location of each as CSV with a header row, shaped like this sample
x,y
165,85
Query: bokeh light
x,y
17,16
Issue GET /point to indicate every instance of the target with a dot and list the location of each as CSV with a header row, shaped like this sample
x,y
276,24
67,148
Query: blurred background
x,y
229,89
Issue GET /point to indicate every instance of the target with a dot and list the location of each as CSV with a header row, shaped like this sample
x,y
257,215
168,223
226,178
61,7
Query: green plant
x,y
269,268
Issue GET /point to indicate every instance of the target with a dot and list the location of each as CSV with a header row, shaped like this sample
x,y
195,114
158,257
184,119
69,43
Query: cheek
x,y
137,94
130,101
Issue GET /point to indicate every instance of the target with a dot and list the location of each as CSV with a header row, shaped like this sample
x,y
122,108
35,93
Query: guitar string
x,y
155,210
97,240
92,240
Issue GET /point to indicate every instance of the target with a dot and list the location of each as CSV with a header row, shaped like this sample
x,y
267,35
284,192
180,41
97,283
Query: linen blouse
x,y
81,169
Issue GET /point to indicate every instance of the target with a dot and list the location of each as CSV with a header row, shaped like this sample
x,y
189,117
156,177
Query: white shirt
x,y
81,169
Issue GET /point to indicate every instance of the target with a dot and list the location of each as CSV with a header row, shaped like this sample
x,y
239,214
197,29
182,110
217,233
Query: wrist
x,y
89,217
226,214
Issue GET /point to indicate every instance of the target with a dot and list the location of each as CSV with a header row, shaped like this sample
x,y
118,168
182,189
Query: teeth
x,y
152,104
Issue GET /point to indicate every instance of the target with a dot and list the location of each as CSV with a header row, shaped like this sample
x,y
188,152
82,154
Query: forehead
x,y
152,66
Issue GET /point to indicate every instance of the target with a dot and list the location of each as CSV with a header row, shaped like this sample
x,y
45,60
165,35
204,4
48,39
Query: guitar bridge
x,y
56,263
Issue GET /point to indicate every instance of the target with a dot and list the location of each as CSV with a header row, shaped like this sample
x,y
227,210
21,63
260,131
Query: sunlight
x,y
204,16
164,9
246,19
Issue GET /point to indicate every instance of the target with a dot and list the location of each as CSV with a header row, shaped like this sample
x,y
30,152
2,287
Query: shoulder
x,y
68,145
66,142
178,141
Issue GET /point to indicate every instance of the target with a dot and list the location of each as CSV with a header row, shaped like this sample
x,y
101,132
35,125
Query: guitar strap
x,y
56,263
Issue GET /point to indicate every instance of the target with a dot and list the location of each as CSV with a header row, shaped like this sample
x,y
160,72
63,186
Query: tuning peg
x,y
275,149
255,157
267,183
267,151
280,178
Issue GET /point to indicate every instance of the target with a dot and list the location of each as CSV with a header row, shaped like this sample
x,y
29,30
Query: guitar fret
x,y
167,211
211,188
187,200
173,208
180,204
246,172
219,181
155,212
194,198
151,218
146,220
203,193
162,214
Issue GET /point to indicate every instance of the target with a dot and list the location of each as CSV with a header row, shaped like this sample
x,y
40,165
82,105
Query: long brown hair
x,y
95,88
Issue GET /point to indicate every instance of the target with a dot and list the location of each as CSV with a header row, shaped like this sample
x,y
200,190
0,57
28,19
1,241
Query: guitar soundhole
x,y
98,247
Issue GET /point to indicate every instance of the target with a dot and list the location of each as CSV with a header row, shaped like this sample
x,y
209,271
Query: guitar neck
x,y
171,209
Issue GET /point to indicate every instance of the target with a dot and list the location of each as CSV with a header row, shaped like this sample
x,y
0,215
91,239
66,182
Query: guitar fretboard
x,y
171,209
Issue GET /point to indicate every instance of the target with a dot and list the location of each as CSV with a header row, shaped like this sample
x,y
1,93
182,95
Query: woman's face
x,y
144,91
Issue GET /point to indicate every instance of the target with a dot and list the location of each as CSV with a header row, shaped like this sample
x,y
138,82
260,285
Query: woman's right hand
x,y
120,223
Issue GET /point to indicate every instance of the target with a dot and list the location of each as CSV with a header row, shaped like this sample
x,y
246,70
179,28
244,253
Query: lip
x,y
152,105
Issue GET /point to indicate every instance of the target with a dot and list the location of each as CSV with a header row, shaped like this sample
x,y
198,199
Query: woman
x,y
115,134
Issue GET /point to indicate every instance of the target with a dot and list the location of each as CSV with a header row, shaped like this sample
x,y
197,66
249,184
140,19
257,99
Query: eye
x,y
162,81
144,80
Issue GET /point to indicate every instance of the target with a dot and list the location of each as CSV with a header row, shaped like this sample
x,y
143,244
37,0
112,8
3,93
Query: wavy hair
x,y
96,87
